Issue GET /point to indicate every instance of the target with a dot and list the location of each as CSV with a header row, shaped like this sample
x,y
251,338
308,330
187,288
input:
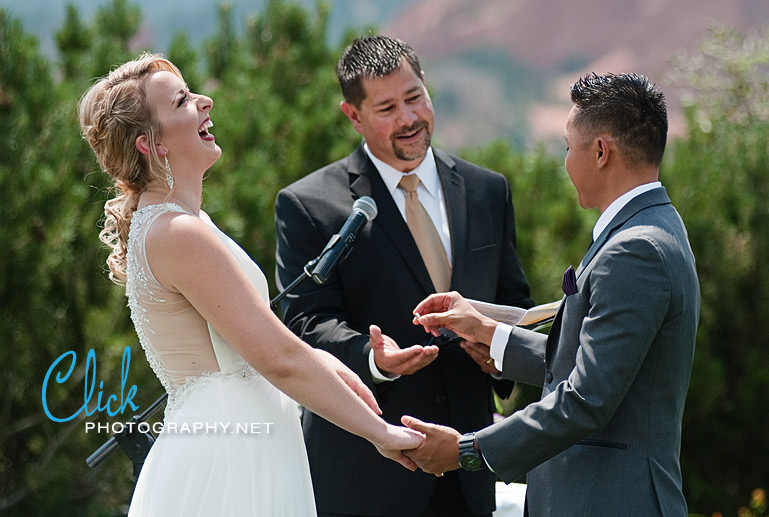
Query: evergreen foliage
x,y
719,178
277,118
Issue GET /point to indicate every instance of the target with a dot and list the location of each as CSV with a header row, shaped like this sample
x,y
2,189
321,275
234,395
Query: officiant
x,y
442,224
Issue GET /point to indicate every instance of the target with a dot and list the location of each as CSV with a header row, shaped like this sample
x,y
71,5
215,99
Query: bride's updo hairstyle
x,y
113,113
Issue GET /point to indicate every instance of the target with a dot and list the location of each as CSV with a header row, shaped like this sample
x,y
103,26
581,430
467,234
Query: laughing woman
x,y
200,308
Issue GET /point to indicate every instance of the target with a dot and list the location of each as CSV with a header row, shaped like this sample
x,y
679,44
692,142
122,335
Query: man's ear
x,y
352,113
602,152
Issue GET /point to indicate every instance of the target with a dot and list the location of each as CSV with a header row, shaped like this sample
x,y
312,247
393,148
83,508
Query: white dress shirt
x,y
430,194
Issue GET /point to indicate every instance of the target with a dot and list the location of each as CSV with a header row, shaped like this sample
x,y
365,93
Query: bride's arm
x,y
185,254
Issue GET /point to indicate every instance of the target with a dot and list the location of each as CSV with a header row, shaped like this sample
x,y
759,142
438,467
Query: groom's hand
x,y
439,452
453,312
392,359
481,354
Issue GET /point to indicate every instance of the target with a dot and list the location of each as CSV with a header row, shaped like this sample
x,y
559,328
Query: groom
x,y
605,437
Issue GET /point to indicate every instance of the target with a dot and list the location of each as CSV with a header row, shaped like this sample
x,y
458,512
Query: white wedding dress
x,y
231,442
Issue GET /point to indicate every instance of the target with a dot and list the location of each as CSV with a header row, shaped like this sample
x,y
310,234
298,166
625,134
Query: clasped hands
x,y
439,451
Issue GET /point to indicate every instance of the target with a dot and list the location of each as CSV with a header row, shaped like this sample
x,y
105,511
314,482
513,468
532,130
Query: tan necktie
x,y
426,236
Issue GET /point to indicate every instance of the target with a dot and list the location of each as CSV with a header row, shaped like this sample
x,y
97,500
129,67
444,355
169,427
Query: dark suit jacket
x,y
605,438
381,282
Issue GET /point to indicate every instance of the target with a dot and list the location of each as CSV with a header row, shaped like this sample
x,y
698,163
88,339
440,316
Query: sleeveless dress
x,y
231,442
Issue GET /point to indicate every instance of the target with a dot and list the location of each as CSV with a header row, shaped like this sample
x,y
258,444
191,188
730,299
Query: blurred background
x,y
498,71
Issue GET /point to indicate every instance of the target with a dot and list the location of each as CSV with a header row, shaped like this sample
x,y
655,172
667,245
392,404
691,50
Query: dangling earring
x,y
169,178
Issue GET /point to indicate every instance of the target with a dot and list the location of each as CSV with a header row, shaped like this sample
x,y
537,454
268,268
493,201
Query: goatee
x,y
412,154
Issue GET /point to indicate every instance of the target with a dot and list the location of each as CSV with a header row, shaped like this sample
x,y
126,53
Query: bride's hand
x,y
351,379
398,439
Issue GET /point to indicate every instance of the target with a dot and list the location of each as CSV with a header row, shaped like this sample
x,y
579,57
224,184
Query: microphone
x,y
340,244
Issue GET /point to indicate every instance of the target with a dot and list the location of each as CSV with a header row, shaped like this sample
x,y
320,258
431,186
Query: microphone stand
x,y
306,273
134,442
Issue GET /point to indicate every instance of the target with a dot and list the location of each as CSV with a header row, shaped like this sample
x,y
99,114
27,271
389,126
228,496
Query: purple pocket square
x,y
570,282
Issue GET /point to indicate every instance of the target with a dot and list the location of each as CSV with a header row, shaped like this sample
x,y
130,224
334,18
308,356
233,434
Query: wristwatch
x,y
469,457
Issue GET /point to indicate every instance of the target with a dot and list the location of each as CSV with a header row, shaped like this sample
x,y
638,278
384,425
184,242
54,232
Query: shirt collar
x,y
618,204
426,170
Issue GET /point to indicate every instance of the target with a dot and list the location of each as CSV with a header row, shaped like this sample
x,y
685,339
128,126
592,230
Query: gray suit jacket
x,y
605,437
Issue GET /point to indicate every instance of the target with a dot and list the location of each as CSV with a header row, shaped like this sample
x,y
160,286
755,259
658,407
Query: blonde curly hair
x,y
113,113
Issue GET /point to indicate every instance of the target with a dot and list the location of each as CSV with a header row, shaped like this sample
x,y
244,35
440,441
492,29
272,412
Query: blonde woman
x,y
200,309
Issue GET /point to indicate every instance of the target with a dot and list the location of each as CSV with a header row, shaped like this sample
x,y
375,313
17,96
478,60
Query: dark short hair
x,y
627,107
371,58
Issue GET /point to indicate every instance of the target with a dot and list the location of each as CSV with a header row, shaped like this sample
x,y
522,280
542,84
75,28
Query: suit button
x,y
549,377
440,399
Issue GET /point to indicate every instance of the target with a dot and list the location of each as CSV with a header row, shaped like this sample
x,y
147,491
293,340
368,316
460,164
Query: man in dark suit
x,y
605,437
472,228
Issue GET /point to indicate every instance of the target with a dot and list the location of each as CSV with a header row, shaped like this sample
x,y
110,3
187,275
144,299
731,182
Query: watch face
x,y
471,462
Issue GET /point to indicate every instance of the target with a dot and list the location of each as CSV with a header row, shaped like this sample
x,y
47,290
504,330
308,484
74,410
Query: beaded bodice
x,y
181,347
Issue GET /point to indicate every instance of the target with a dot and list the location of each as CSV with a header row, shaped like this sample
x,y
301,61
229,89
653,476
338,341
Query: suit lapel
x,y
366,181
658,196
654,197
455,196
554,334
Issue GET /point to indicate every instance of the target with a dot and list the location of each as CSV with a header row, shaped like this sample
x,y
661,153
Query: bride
x,y
232,443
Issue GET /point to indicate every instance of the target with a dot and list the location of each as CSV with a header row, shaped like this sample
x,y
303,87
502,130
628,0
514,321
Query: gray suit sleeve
x,y
524,359
607,330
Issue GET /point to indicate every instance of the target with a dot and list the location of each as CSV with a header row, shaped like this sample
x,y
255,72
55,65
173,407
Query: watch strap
x,y
469,457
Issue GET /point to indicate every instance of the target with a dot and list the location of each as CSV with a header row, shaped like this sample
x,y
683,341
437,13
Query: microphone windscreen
x,y
367,206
